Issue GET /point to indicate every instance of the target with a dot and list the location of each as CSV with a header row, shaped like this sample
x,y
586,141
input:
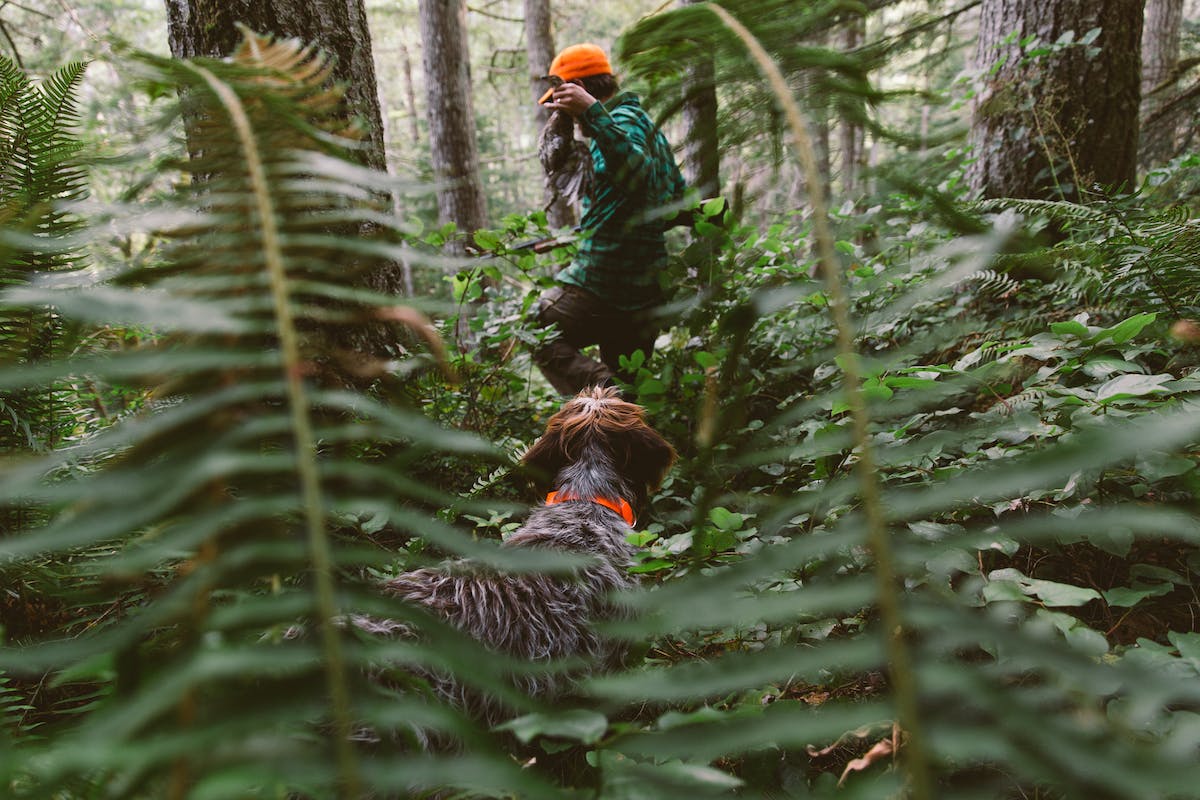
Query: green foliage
x,y
229,509
38,160
40,175
1036,468
1124,245
1035,465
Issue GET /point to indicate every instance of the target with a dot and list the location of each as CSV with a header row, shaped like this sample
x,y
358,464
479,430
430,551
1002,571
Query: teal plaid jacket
x,y
624,248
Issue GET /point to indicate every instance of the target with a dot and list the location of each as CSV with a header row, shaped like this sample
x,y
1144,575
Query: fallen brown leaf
x,y
882,749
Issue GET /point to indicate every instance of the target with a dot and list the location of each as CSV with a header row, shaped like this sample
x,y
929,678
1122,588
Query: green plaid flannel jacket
x,y
624,249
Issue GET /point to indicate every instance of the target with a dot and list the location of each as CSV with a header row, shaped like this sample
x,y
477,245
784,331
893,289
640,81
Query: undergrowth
x,y
171,610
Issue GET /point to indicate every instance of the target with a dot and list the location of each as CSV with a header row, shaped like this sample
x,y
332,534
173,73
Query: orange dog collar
x,y
618,505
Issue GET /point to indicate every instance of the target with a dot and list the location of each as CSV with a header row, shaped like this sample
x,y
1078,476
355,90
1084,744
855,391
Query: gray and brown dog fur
x,y
597,445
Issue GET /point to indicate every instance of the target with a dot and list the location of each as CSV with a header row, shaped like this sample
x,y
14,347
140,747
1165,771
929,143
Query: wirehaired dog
x,y
603,460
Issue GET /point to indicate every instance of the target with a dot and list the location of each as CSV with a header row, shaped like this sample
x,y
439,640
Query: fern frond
x,y
990,283
1058,210
248,448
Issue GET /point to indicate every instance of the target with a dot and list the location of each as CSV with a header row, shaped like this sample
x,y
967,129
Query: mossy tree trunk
x,y
208,28
338,27
1054,123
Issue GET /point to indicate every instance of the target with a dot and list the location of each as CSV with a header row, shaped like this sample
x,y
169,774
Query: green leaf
x,y
640,538
1159,466
996,591
1155,572
1103,366
627,778
578,724
1125,386
1129,596
725,519
905,382
1079,635
1115,539
1070,328
1188,645
651,565
651,387
1050,593
713,207
1126,330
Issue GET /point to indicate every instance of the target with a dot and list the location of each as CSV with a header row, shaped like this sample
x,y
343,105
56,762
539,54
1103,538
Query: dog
x,y
603,461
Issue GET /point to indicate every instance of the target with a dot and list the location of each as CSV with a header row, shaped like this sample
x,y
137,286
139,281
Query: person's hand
x,y
571,98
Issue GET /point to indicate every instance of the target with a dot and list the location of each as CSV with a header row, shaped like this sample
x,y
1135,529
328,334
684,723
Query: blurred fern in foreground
x,y
195,533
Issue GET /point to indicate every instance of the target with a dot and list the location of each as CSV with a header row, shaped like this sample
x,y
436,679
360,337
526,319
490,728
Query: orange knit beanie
x,y
580,61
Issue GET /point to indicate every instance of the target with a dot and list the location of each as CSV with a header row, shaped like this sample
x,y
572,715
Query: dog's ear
x,y
546,456
648,456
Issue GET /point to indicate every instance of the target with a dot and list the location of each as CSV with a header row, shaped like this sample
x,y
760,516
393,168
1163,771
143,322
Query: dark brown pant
x,y
584,319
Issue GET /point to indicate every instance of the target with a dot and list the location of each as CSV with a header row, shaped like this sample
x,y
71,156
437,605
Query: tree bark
x,y
539,45
339,27
410,94
1055,125
850,133
208,28
452,115
1160,54
701,143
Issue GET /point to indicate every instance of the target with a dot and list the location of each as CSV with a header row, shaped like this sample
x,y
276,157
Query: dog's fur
x,y
597,445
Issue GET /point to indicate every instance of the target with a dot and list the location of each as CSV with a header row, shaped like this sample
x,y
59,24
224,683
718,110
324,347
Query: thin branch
x,y
28,9
925,25
1182,68
1173,104
75,18
485,13
13,45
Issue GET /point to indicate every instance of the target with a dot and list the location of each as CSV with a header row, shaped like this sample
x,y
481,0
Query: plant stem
x,y
305,441
899,658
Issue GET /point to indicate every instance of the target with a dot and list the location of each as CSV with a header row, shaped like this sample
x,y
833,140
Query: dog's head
x,y
598,417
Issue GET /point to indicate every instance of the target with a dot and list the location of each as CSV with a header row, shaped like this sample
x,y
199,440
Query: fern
x,y
822,572
220,502
1114,247
1012,695
992,284
40,175
1057,210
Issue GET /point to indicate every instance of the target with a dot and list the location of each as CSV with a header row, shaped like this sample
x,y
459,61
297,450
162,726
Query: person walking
x,y
608,294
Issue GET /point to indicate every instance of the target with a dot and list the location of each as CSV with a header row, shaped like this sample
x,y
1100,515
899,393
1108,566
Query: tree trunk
x,y
339,27
1054,125
850,133
1160,54
539,45
208,28
451,115
701,144
410,94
